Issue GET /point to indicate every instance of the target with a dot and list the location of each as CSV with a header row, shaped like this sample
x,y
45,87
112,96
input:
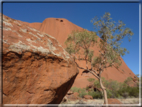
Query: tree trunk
x,y
104,92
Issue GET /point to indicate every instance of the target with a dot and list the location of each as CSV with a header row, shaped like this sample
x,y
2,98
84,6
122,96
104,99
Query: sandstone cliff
x,y
60,28
36,69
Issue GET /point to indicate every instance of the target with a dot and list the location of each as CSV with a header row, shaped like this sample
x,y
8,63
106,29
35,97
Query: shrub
x,y
125,94
98,94
134,91
91,93
97,84
82,92
91,79
129,91
75,89
128,80
114,89
109,93
87,88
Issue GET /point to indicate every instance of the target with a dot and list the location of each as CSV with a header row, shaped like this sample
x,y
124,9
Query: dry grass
x,y
99,102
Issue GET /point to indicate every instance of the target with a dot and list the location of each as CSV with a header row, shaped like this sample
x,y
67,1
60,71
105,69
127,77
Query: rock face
x,y
113,101
74,96
88,97
36,69
60,28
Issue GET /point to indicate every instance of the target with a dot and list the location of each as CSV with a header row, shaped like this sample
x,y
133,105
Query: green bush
x,y
82,93
91,93
75,89
131,91
97,84
87,88
128,80
114,89
109,93
96,94
91,79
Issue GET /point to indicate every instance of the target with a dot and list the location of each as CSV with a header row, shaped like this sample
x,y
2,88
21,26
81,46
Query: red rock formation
x,y
36,69
60,30
113,101
88,97
74,96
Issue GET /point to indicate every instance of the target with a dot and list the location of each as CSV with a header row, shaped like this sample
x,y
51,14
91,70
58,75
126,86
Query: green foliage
x,y
115,89
95,95
82,93
128,80
80,42
129,91
97,84
75,89
87,88
70,49
91,79
109,93
111,34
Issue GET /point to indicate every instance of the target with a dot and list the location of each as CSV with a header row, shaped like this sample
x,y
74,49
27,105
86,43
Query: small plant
x,y
114,89
82,93
91,79
96,94
97,84
75,89
128,80
87,88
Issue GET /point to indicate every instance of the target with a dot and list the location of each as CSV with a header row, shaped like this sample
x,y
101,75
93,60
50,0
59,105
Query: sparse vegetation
x,y
82,93
80,45
75,89
91,79
95,94
116,89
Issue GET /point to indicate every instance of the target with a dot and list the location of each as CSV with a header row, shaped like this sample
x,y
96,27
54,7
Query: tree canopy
x,y
80,43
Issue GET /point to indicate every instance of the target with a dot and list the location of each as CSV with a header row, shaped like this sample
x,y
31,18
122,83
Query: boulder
x,y
36,69
88,97
73,96
69,92
65,99
76,94
113,101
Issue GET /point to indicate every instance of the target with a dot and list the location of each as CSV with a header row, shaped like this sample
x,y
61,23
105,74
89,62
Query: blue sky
x,y
81,14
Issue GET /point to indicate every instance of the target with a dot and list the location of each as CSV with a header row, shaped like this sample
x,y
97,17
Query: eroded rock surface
x,y
36,69
60,28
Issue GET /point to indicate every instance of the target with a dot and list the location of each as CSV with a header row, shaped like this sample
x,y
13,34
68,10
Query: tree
x,y
81,44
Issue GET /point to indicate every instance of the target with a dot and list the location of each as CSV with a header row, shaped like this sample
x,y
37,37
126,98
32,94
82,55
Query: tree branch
x,y
87,70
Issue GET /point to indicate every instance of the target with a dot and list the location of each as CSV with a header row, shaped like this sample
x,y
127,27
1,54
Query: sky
x,y
81,14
